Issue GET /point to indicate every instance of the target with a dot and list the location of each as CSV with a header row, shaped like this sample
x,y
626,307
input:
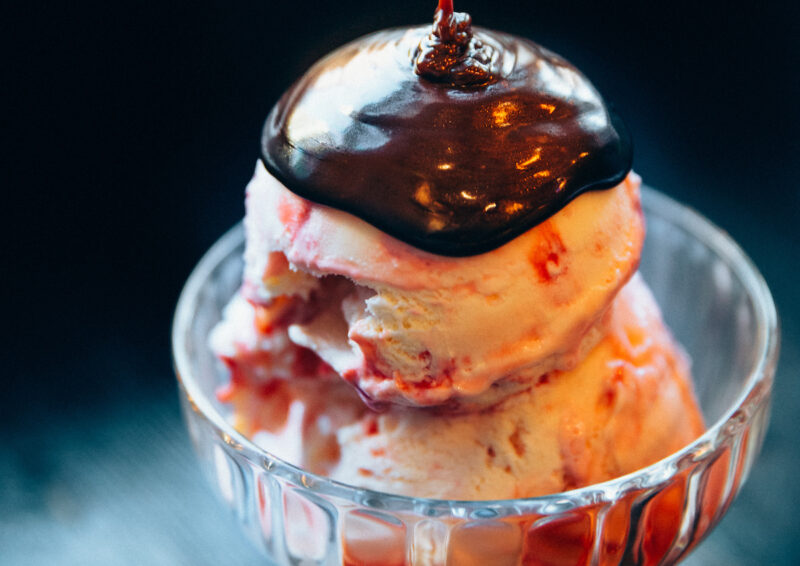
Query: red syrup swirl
x,y
452,139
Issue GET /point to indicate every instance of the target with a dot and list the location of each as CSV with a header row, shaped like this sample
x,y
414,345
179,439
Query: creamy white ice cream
x,y
406,326
627,404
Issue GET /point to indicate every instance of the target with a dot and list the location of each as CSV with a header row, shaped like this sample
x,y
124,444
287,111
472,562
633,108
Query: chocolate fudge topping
x,y
453,139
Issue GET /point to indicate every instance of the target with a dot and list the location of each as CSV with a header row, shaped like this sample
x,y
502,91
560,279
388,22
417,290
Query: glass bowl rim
x,y
756,387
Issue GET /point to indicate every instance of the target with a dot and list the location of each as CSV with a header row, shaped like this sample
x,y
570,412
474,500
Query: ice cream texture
x,y
536,366
405,326
596,386
621,408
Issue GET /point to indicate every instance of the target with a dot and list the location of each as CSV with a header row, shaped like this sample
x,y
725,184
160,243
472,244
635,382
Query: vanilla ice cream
x,y
626,404
406,326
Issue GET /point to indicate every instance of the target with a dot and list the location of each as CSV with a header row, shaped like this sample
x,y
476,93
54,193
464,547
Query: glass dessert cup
x,y
719,309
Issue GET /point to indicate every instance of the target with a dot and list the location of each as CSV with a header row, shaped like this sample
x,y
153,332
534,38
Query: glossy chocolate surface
x,y
452,167
451,53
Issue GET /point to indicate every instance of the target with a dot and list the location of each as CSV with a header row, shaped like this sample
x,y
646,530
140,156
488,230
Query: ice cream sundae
x,y
440,294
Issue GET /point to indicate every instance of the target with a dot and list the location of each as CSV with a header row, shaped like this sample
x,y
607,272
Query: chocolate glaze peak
x,y
447,165
451,54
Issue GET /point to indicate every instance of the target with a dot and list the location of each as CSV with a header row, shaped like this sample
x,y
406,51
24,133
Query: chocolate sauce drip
x,y
451,54
449,167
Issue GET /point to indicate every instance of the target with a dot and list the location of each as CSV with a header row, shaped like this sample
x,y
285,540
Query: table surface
x,y
135,128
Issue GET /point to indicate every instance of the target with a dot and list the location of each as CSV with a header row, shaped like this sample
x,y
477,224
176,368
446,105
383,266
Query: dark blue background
x,y
131,130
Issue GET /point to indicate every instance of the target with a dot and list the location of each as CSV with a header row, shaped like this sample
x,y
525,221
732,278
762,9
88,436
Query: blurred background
x,y
131,129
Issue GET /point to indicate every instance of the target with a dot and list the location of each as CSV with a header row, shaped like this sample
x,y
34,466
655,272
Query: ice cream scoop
x,y
452,139
407,148
625,405
407,326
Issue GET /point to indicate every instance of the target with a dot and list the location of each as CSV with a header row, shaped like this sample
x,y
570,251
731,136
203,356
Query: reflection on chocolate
x,y
453,168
